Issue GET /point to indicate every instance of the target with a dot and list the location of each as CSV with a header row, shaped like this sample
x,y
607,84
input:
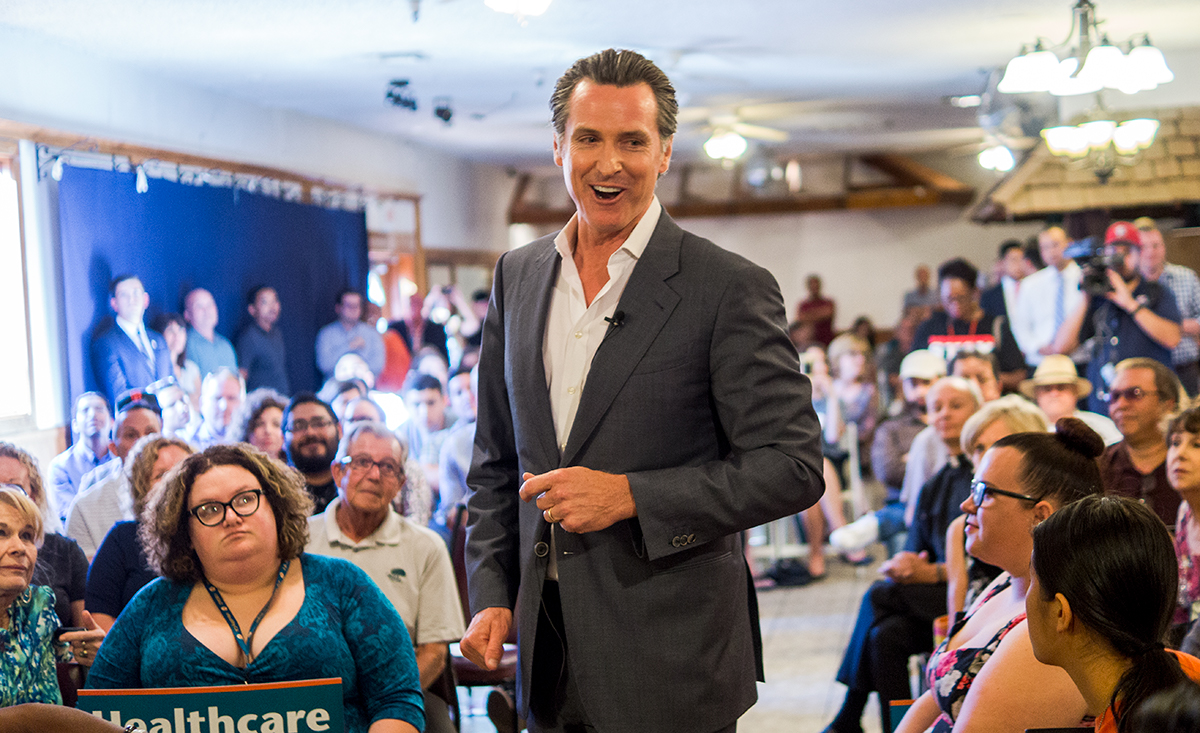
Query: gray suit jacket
x,y
698,399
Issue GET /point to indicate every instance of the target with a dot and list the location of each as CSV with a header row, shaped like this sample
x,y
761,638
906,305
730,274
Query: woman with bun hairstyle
x,y
1103,593
984,677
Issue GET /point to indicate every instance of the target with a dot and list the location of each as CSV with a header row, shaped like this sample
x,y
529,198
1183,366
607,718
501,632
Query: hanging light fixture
x,y
1092,64
725,145
1102,143
997,158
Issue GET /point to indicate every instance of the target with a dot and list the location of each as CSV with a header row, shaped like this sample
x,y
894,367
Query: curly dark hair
x,y
164,529
139,465
246,419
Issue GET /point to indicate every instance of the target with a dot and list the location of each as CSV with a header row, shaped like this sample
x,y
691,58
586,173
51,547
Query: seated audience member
x,y
207,348
101,505
220,398
895,617
865,330
61,565
31,648
454,461
128,355
1100,600
980,368
415,501
259,422
311,434
1057,388
984,675
817,310
1001,298
803,336
338,393
854,385
1183,472
408,562
426,427
91,426
1173,710
349,334
119,569
262,355
1185,286
326,618
187,374
1137,318
963,325
1143,393
179,420
432,362
1047,297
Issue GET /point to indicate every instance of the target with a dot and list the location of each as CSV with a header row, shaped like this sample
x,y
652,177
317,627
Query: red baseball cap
x,y
1122,232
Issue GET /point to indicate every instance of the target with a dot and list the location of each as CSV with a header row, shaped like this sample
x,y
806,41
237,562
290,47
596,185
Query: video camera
x,y
1089,254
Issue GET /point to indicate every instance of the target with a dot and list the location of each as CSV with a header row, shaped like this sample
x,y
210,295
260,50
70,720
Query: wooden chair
x,y
71,676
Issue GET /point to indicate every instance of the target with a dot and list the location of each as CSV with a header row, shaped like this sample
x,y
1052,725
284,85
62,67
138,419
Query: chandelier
x,y
1102,144
1093,64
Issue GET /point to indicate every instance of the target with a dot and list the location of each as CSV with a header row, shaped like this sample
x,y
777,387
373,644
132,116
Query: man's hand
x,y
910,567
483,643
1120,295
580,499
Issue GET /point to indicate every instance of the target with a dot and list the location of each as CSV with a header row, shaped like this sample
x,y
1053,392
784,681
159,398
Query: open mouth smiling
x,y
607,193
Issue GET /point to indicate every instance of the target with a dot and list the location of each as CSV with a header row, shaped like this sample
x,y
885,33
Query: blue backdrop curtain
x,y
177,237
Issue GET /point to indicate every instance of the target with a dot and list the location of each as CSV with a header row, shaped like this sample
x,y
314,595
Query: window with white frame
x,y
16,402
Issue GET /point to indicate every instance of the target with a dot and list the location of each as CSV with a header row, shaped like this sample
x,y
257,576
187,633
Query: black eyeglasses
x,y
1133,394
317,423
212,513
363,463
979,489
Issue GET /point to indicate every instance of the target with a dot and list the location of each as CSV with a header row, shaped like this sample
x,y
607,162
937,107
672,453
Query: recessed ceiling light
x,y
966,101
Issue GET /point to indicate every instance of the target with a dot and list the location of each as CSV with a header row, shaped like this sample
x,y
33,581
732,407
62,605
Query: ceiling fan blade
x,y
758,132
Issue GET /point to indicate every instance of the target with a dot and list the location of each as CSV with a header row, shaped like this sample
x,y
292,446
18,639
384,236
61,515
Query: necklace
x,y
244,641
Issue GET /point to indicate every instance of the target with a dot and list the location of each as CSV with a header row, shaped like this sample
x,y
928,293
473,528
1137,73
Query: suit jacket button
x,y
675,542
691,538
541,549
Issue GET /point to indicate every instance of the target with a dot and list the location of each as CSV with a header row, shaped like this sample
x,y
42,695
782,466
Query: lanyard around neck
x,y
244,641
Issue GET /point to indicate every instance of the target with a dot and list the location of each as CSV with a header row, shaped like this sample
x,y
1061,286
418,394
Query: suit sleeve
x,y
106,365
763,405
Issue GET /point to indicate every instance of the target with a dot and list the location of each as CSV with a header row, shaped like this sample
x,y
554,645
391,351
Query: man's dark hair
x,y
80,398
252,297
462,369
1033,253
417,381
960,269
306,398
347,291
1009,245
619,68
112,285
989,357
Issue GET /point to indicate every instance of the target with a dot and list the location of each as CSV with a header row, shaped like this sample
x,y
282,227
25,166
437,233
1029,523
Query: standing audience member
x,y
259,422
349,334
426,427
262,356
1047,297
1183,471
1144,392
1001,298
120,569
1100,601
207,348
408,562
220,398
128,355
923,300
91,427
185,371
1057,388
311,432
61,565
817,310
1136,318
1185,286
101,505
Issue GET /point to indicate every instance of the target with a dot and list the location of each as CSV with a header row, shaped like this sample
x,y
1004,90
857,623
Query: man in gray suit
x,y
640,404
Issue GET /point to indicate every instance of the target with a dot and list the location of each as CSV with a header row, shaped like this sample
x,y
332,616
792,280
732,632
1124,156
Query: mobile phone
x,y
66,630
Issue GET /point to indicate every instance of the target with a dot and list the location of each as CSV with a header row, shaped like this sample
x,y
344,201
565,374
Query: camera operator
x,y
1128,316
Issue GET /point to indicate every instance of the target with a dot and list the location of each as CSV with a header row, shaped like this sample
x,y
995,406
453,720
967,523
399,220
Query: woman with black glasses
x,y
984,676
239,600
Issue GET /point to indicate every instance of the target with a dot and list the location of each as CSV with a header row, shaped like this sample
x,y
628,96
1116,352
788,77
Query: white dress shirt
x,y
1033,324
137,333
575,328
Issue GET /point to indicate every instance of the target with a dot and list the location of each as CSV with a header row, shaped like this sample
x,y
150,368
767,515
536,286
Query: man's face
x,y
958,297
91,418
980,372
349,309
371,491
130,300
427,407
1014,264
814,287
1137,416
611,155
922,276
220,399
176,410
1056,400
1052,243
915,392
265,308
1154,251
134,425
201,310
312,437
949,410
1126,258
462,398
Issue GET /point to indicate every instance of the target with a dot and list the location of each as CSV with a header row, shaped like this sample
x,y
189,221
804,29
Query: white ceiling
x,y
857,74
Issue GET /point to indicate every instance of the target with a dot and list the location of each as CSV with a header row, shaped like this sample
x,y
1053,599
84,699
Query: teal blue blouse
x,y
345,628
28,650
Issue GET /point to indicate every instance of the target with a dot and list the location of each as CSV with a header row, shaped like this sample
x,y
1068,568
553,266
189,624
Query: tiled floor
x,y
804,633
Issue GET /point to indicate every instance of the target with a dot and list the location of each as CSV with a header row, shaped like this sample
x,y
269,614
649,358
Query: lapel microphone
x,y
617,319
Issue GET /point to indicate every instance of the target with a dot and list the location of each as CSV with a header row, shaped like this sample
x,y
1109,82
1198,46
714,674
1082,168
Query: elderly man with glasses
x,y
1143,392
408,562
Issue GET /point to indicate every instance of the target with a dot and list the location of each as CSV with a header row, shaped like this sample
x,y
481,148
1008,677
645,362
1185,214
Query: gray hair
x,y
370,427
619,68
959,383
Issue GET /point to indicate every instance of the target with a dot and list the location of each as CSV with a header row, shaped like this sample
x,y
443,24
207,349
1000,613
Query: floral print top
x,y
28,651
951,673
1189,569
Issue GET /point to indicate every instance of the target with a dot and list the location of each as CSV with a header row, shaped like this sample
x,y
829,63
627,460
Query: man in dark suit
x,y
1001,298
640,404
128,355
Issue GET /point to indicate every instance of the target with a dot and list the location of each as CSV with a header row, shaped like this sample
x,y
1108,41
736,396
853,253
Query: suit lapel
x,y
529,370
647,303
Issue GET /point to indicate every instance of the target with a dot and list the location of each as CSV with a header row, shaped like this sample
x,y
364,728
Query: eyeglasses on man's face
x,y
317,423
363,463
1132,394
980,489
212,513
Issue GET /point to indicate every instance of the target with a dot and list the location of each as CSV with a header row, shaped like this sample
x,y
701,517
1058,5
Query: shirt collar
x,y
129,327
387,533
635,244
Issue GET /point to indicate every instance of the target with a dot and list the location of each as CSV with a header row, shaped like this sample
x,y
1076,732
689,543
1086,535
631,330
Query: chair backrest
x,y
458,556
